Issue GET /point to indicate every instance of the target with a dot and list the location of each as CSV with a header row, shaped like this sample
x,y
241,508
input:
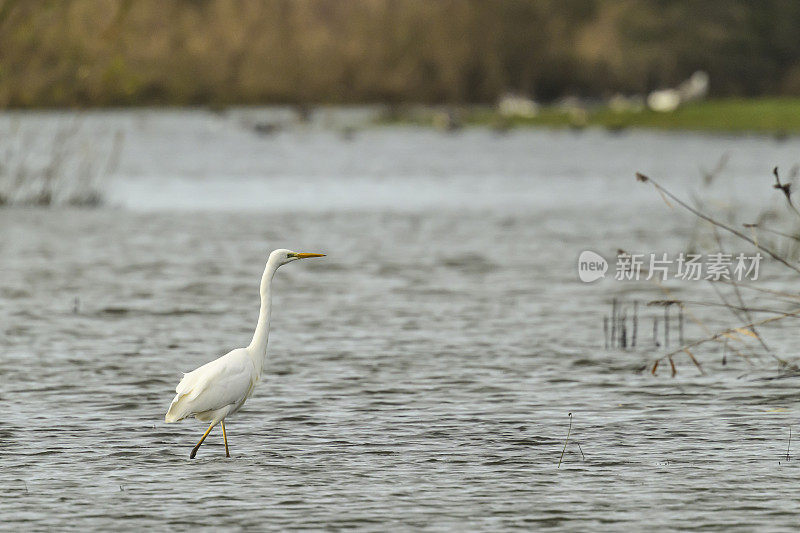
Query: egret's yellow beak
x,y
305,256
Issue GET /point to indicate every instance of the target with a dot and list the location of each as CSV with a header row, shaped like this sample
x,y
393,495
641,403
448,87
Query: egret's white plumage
x,y
216,389
219,388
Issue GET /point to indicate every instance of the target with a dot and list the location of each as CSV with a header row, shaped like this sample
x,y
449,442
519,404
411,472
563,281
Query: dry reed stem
x,y
728,333
664,192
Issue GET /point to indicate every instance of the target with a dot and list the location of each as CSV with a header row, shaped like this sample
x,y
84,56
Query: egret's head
x,y
283,256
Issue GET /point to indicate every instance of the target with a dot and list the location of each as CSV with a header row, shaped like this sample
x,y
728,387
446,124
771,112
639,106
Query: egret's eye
x,y
291,254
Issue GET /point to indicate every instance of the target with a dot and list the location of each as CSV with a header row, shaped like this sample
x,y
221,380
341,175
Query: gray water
x,y
420,376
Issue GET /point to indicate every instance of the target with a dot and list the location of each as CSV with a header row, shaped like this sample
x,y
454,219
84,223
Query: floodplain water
x,y
420,376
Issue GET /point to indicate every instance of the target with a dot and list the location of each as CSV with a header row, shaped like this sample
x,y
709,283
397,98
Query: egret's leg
x,y
197,447
225,438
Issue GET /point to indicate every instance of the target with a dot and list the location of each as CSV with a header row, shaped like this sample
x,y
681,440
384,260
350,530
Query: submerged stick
x,y
655,332
635,324
790,443
566,441
725,353
605,330
623,329
614,323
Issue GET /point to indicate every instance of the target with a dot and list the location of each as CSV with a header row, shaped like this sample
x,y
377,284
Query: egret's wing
x,y
221,382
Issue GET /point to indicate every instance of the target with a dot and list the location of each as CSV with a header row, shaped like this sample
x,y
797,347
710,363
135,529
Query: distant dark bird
x,y
265,128
447,120
348,133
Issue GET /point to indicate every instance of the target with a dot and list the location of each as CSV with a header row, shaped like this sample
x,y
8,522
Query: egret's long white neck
x,y
258,346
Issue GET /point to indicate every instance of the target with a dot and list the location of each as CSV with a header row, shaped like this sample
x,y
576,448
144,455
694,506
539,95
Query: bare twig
x,y
691,316
583,457
709,176
770,230
729,333
786,189
569,430
767,291
664,192
715,304
745,311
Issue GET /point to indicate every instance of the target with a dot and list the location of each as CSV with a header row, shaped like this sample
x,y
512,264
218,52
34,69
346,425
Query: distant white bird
x,y
220,388
664,101
516,105
695,88
668,100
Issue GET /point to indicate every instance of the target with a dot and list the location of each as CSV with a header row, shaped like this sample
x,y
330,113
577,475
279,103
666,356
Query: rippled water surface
x,y
420,376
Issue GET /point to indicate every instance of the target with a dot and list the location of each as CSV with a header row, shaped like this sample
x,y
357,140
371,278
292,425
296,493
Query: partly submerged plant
x,y
778,245
61,165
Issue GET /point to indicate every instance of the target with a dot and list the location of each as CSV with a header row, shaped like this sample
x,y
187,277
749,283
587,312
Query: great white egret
x,y
220,388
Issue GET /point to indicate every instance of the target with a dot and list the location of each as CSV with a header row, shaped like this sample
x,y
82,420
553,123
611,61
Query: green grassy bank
x,y
763,115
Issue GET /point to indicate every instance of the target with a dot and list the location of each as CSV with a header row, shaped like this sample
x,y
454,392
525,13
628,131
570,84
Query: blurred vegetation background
x,y
218,52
